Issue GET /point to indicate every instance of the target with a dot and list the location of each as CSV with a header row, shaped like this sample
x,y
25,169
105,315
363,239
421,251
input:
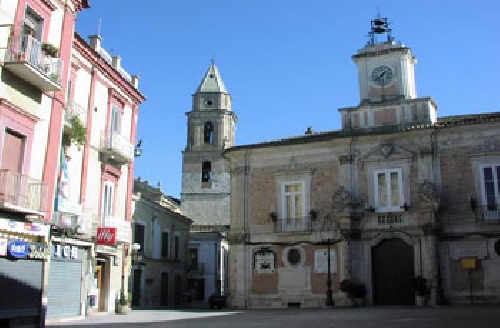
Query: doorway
x,y
393,271
136,292
164,289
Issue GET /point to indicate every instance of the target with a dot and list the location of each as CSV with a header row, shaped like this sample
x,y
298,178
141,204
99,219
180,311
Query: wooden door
x,y
393,271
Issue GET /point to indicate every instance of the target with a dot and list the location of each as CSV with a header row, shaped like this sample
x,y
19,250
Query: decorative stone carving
x,y
346,159
428,192
386,149
341,200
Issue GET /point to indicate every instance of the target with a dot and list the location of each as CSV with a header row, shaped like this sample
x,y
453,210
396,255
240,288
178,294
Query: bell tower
x,y
205,192
386,81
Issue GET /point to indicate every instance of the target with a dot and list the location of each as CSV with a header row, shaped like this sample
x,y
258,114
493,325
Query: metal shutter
x,y
64,289
20,287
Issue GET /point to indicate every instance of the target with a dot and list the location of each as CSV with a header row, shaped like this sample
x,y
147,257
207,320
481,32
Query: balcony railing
x,y
117,147
25,58
301,224
196,269
21,193
74,109
488,213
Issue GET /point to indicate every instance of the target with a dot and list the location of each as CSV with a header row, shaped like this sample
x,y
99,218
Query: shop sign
x,y
106,236
468,263
66,252
38,251
18,248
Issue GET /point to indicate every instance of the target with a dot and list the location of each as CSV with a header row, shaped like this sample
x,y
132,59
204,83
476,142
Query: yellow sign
x,y
469,263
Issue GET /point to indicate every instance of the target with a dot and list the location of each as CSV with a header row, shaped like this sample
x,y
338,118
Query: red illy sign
x,y
106,236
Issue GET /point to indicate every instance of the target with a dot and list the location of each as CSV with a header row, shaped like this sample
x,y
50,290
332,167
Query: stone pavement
x,y
358,317
136,316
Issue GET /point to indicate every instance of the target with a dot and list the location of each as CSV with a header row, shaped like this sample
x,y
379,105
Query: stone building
x,y
406,202
205,189
158,276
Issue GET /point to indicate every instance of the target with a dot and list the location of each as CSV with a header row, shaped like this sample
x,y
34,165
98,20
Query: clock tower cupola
x,y
386,81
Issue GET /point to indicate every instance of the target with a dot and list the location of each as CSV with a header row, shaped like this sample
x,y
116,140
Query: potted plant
x,y
355,292
77,134
422,290
122,304
50,49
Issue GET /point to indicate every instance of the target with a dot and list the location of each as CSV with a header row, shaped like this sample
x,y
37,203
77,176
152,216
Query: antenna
x,y
99,27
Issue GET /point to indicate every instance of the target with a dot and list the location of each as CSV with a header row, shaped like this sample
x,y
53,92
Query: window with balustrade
x,y
388,190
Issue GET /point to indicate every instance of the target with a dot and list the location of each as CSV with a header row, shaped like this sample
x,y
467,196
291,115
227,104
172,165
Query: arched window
x,y
208,133
206,172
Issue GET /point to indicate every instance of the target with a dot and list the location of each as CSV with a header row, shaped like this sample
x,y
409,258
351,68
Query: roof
x,y
443,122
212,81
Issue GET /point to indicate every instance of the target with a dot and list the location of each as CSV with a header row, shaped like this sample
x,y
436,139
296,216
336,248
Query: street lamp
x,y
327,226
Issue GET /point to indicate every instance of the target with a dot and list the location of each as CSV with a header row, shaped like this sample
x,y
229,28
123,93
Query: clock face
x,y
382,75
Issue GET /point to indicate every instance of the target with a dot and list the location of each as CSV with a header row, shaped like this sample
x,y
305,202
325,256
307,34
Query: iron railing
x,y
22,191
301,224
25,48
488,213
116,143
74,109
196,269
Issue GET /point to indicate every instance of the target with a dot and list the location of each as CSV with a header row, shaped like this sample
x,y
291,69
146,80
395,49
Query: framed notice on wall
x,y
264,261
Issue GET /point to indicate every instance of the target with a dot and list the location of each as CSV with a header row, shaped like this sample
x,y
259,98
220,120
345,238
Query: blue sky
x,y
286,63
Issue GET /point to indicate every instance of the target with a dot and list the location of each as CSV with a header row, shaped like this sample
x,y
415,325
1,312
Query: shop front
x,y
23,254
68,278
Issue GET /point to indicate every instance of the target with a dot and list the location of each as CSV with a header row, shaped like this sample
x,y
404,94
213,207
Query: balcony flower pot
x,y
50,49
76,134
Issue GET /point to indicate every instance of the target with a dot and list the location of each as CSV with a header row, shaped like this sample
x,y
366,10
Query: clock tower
x,y
386,79
205,192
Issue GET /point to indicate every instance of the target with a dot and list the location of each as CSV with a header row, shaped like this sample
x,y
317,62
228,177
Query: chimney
x,y
116,62
135,81
95,42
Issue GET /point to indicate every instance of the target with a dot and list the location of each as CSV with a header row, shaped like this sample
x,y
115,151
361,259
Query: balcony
x,y
73,109
196,269
488,214
25,58
116,148
20,193
81,224
302,224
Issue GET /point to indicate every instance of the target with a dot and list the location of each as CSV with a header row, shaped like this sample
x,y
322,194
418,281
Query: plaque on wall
x,y
468,249
264,261
321,261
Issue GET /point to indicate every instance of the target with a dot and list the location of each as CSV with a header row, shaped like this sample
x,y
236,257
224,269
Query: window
x,y
32,24
208,133
491,186
206,172
176,247
13,151
115,120
193,259
164,244
139,236
107,201
388,193
293,206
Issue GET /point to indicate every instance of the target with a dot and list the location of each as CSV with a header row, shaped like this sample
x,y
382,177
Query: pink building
x,y
68,118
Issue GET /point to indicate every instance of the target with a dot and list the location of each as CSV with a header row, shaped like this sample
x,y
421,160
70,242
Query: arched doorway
x,y
393,271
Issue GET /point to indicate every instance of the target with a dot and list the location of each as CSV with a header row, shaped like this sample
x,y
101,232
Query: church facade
x,y
398,207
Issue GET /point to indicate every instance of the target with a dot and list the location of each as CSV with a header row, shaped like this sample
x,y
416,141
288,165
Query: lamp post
x,y
329,292
327,226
